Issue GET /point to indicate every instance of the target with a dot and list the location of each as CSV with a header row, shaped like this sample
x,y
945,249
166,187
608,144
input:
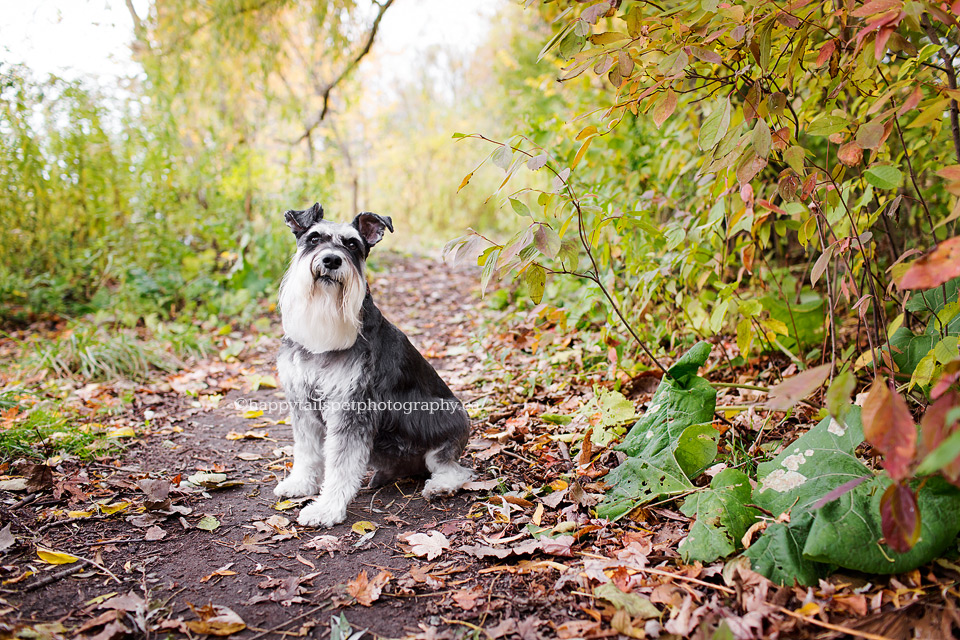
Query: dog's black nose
x,y
332,262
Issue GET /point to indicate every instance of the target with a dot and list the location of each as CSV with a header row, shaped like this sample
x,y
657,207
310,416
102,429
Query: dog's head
x,y
323,290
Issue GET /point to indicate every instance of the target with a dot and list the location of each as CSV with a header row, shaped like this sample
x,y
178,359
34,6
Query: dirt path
x,y
257,561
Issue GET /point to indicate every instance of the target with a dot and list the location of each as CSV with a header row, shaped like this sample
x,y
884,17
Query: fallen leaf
x,y
6,537
208,523
215,620
900,517
39,477
421,544
253,542
114,507
121,432
130,602
363,526
467,599
248,456
303,560
248,435
221,572
112,631
367,591
157,493
154,533
55,557
13,484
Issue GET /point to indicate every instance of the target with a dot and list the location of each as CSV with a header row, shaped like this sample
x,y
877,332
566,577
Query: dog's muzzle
x,y
328,268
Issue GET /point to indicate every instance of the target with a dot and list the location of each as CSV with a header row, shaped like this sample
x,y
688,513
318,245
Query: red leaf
x,y
825,52
900,517
850,153
875,7
935,268
889,427
934,430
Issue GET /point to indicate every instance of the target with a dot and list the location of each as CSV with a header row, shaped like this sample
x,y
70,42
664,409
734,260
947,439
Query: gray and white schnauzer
x,y
361,394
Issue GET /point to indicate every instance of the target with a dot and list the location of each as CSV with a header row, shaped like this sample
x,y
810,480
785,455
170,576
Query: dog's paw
x,y
295,487
321,514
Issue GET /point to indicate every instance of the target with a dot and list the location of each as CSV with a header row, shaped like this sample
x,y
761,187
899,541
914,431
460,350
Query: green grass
x,y
40,430
93,354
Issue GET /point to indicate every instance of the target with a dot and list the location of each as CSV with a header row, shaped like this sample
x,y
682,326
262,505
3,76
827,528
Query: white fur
x,y
322,316
446,478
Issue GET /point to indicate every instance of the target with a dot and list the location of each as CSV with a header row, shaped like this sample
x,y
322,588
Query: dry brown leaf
x,y
367,591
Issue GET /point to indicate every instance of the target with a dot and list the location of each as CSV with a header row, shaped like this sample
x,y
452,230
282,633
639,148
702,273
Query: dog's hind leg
x,y
446,476
306,477
347,452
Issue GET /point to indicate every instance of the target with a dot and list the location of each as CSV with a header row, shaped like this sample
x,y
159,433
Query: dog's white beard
x,y
321,316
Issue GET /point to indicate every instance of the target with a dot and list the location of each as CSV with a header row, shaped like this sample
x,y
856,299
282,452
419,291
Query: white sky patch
x,y
782,480
91,38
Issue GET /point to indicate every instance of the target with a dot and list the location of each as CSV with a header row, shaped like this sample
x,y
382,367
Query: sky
x,y
90,38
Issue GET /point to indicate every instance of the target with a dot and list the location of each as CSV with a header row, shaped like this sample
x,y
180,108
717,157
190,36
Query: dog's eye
x,y
352,243
313,239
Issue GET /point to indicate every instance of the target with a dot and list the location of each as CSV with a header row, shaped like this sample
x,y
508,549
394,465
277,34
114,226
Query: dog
x,y
360,393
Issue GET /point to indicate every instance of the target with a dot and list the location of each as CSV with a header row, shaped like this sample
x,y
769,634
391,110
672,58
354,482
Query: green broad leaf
x,y
520,208
722,517
778,553
208,523
556,418
827,125
908,349
805,322
673,63
653,470
761,139
714,127
631,603
946,350
838,393
489,266
793,156
696,448
933,299
536,278
615,408
855,517
884,176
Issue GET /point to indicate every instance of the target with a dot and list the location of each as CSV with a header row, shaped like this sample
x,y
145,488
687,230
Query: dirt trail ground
x,y
271,570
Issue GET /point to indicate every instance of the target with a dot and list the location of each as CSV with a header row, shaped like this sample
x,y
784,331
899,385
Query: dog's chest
x,y
318,377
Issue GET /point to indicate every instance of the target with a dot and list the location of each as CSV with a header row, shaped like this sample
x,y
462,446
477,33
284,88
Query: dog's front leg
x,y
307,474
347,453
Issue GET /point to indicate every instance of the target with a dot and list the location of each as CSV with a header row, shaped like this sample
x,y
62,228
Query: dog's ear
x,y
371,226
300,221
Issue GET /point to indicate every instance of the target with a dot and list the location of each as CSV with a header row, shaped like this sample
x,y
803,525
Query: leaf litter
x,y
524,556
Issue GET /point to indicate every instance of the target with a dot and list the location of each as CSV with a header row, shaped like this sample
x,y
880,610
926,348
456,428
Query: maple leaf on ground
x,y
422,544
367,591
889,427
467,599
253,542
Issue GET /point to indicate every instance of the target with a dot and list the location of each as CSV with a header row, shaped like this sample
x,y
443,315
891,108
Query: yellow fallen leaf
x,y
55,557
283,505
249,414
363,526
100,599
122,432
79,514
108,509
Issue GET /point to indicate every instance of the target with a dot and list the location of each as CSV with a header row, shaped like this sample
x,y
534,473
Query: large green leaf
x,y
804,320
844,531
855,517
659,444
722,517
